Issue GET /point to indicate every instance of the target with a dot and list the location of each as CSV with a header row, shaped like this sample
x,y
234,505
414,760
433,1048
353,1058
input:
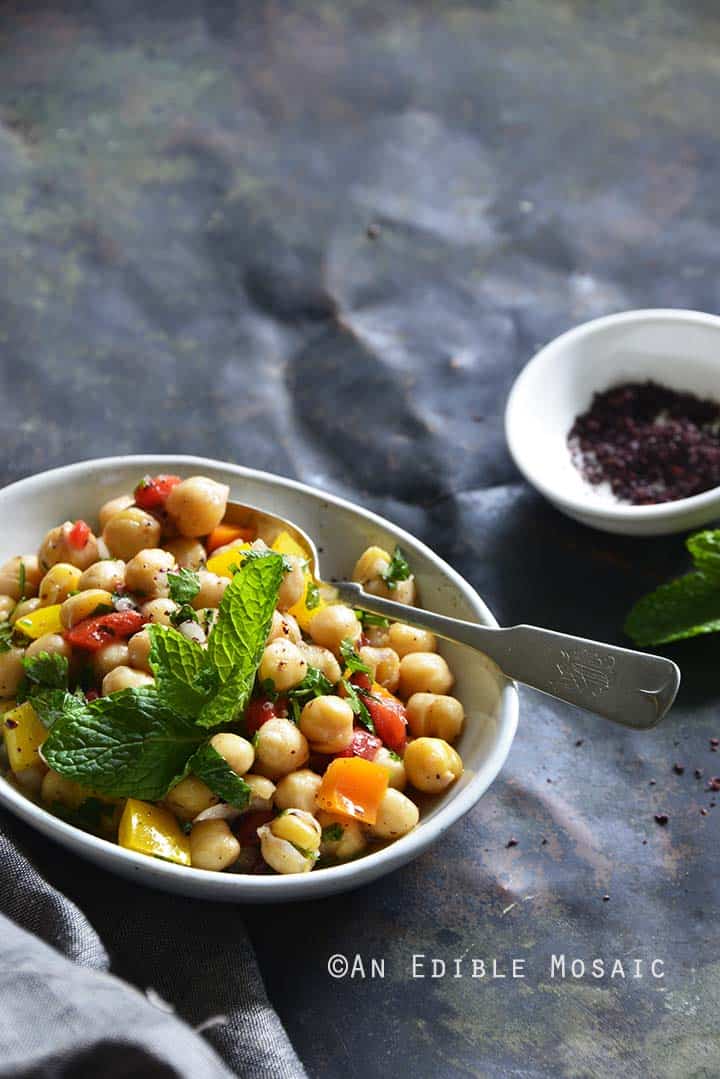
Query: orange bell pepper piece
x,y
353,787
226,534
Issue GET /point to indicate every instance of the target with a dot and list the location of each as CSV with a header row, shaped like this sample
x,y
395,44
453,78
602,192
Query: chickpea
x,y
124,678
396,815
279,748
139,651
197,505
394,766
52,643
385,665
298,790
113,507
108,574
327,723
351,840
405,639
84,605
26,607
432,765
158,611
11,672
57,584
131,531
236,751
377,636
323,659
212,590
284,626
212,845
7,604
334,624
189,797
424,672
282,856
297,827
436,715
10,577
369,570
108,658
56,547
60,789
262,791
147,573
284,664
188,553
293,585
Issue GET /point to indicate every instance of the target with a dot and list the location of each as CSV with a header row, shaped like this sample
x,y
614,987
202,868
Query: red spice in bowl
x,y
649,443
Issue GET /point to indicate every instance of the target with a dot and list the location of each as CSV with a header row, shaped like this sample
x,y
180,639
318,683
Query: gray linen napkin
x,y
190,964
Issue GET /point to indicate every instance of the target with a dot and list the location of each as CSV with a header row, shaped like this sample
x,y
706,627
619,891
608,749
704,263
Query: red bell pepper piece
x,y
249,823
78,535
152,491
363,744
92,634
258,711
390,720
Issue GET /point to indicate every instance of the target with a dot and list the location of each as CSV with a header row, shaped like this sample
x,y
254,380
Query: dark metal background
x,y
185,265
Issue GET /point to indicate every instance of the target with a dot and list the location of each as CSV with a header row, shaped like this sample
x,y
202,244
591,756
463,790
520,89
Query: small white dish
x,y
30,507
680,349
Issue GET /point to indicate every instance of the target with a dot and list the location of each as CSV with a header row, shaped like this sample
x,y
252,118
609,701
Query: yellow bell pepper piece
x,y
23,733
285,544
221,563
153,830
43,620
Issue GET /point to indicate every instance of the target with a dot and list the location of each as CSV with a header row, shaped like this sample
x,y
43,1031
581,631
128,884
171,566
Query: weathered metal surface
x,y
186,191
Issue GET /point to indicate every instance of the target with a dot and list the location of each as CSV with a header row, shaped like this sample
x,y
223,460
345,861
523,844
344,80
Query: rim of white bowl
x,y
589,505
298,886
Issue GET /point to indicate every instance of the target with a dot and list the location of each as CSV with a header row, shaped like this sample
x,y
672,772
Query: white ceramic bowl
x,y
32,506
680,349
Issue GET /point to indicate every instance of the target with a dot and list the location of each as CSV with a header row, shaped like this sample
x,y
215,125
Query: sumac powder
x,y
649,443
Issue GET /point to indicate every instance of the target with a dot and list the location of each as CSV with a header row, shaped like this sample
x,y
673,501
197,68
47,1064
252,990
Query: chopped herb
x,y
312,595
354,699
333,833
251,554
393,755
22,580
369,619
184,585
398,569
353,663
314,684
184,613
268,688
6,633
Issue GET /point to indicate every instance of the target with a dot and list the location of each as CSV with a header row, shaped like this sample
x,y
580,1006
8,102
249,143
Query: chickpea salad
x,y
185,688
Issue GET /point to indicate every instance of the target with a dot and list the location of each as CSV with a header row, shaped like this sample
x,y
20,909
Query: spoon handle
x,y
635,689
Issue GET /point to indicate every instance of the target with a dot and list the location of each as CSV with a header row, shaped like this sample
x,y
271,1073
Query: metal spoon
x,y
635,689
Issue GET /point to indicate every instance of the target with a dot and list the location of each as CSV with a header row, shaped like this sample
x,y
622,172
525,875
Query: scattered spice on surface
x,y
651,782
698,773
679,769
714,743
713,784
662,818
512,842
703,812
373,231
579,741
649,443
606,899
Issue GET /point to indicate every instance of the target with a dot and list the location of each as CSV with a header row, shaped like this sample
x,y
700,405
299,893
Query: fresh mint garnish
x,y
184,585
214,770
685,607
312,595
6,635
369,619
353,663
360,709
314,684
47,670
183,677
398,569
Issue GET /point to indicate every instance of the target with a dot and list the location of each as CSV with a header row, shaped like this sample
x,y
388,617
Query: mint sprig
x,y
184,585
685,607
214,770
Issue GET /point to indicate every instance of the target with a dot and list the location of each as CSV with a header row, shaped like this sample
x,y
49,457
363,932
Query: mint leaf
x,y
52,704
238,640
49,671
213,769
184,585
398,569
682,608
183,677
705,550
352,660
127,745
